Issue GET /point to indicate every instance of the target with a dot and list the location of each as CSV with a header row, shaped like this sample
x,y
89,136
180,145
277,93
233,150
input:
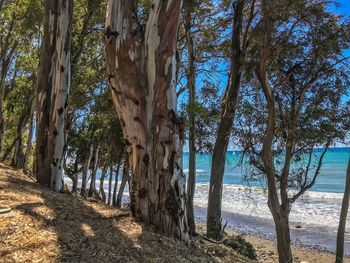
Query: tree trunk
x,y
85,171
125,179
214,221
110,184
115,190
141,65
342,221
281,219
29,140
191,182
18,156
52,93
279,212
93,174
102,180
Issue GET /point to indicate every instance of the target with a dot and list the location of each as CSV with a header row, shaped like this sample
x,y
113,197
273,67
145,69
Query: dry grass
x,y
50,227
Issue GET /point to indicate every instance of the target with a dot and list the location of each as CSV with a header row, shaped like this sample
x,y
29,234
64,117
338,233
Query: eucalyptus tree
x,y
141,64
52,93
292,104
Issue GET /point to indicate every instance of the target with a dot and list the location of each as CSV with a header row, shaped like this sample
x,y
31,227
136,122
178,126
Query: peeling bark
x,y
52,93
141,66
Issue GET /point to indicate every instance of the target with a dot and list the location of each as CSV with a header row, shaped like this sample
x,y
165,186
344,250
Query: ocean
x,y
244,204
331,178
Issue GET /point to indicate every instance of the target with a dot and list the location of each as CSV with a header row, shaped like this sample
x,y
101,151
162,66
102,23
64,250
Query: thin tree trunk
x,y
214,221
125,179
18,156
342,221
102,180
93,174
52,93
191,182
85,171
141,65
29,140
115,189
279,212
110,184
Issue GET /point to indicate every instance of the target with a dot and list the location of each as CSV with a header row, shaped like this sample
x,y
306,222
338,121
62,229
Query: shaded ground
x,y
50,227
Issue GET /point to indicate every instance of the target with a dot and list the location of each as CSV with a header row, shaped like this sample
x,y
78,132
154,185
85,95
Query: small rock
x,y
298,226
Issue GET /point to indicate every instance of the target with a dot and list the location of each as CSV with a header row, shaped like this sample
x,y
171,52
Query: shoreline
x,y
266,249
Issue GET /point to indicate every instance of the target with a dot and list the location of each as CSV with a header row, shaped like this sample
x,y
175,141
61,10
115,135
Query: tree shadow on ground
x,y
94,232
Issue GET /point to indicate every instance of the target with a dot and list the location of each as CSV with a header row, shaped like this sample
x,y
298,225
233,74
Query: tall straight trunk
x,y
93,174
86,170
141,65
110,184
29,139
343,216
191,75
125,179
214,220
113,199
102,180
52,92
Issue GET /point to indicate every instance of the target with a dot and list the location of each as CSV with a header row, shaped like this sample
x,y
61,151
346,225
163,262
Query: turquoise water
x,y
331,178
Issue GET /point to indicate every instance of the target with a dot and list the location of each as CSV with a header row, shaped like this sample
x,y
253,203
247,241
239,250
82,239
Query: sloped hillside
x,y
44,226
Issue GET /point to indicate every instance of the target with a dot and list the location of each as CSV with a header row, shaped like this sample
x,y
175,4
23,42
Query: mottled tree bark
x,y
52,92
86,170
191,81
342,221
214,221
141,65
